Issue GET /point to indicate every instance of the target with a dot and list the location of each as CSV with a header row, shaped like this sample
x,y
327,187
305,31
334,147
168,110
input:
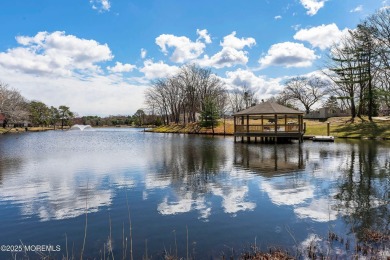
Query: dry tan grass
x,y
339,127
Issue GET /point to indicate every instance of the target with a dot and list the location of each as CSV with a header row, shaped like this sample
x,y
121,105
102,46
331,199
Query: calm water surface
x,y
227,195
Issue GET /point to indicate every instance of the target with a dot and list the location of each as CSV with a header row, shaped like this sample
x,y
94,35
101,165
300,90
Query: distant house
x,y
326,112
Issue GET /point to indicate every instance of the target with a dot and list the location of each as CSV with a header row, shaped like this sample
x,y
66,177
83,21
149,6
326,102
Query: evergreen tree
x,y
65,115
366,54
54,116
39,113
209,114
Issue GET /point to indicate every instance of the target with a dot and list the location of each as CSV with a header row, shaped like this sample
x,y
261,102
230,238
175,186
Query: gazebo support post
x,y
276,128
234,128
248,138
285,123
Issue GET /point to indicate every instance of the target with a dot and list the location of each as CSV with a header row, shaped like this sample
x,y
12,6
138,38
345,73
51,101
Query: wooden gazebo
x,y
270,122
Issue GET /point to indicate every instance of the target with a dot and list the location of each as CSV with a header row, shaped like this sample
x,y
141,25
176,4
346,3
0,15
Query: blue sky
x,y
99,56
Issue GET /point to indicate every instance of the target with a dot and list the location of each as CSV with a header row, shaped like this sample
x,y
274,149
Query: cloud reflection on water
x,y
59,187
199,173
189,174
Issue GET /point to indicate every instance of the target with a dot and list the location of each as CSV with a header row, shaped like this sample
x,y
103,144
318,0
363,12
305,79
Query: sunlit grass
x,y
343,127
339,127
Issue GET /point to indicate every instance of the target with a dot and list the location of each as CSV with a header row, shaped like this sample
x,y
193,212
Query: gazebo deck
x,y
269,121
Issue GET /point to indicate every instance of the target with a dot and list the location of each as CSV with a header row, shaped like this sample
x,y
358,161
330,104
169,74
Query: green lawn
x,y
341,127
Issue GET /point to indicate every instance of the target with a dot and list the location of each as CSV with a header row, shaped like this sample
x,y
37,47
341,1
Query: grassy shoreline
x,y
340,127
18,130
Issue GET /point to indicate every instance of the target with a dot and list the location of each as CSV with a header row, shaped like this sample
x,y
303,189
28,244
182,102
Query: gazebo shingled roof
x,y
268,108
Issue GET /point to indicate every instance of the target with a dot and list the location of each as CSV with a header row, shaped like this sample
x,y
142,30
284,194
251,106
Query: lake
x,y
186,194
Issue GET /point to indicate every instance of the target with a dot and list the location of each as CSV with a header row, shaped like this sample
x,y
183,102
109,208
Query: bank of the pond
x,y
340,127
16,130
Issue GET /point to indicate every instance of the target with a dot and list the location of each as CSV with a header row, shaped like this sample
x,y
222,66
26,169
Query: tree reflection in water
x,y
364,188
238,191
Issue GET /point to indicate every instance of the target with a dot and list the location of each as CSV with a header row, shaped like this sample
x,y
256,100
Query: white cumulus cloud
x,y
233,42
120,67
264,87
60,69
312,6
231,54
227,57
97,95
288,54
54,54
322,36
184,48
203,34
153,70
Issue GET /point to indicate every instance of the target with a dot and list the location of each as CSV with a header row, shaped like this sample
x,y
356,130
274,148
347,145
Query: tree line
x,y
17,110
139,118
359,66
356,77
195,94
357,72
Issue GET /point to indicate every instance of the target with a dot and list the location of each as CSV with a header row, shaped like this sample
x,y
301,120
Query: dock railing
x,y
267,128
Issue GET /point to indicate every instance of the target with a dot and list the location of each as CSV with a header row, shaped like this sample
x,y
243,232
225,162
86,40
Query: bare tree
x,y
12,104
283,100
249,96
242,97
180,97
236,100
306,91
155,99
379,27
